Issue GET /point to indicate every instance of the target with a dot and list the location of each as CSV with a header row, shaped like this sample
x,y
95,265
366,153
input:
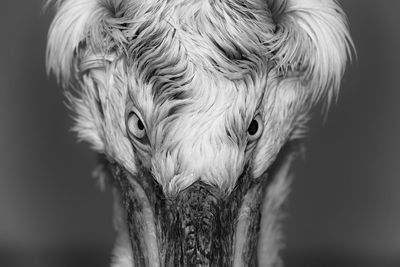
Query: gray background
x,y
345,198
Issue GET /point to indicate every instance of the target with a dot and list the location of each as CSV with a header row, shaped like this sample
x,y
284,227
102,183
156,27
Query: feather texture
x,y
197,72
312,41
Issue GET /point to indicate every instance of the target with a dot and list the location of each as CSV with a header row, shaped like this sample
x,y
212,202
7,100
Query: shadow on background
x,y
344,207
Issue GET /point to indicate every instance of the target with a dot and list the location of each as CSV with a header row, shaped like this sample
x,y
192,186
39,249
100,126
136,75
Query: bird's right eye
x,y
255,128
136,126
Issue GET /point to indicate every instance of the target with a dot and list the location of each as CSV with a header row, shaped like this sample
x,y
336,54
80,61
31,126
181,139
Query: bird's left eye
x,y
255,128
136,126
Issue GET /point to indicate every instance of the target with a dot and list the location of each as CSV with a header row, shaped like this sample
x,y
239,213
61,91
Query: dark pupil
x,y
140,125
253,128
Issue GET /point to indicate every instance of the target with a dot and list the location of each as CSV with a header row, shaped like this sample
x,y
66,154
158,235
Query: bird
x,y
197,109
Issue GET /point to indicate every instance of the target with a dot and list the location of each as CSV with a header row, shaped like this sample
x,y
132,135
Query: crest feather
x,y
312,43
69,28
77,23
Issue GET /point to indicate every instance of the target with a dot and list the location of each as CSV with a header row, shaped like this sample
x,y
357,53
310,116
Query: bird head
x,y
192,103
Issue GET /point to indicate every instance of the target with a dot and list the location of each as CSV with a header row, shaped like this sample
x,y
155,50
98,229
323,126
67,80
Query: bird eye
x,y
255,128
136,126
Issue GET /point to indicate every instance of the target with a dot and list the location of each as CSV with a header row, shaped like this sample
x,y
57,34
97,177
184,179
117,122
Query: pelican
x,y
195,107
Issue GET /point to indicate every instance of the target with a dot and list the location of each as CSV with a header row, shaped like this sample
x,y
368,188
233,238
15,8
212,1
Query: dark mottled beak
x,y
199,226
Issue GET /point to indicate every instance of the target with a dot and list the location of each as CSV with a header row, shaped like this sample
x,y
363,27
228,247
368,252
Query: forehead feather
x,y
220,36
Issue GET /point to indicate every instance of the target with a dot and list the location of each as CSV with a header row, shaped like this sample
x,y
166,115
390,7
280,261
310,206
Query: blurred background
x,y
344,209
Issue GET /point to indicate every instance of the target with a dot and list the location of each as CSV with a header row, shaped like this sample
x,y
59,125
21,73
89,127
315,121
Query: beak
x,y
199,226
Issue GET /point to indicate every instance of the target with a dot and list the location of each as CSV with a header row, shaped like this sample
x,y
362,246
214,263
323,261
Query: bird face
x,y
204,130
192,104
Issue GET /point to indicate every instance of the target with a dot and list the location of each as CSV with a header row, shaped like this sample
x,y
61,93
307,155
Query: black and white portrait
x,y
199,133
